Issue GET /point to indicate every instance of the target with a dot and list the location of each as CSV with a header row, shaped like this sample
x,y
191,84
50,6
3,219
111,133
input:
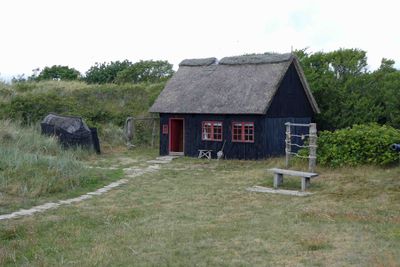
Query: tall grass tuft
x,y
112,135
32,165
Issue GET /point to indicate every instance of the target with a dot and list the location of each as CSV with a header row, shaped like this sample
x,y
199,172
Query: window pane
x,y
243,131
211,131
206,132
237,132
217,131
165,129
248,132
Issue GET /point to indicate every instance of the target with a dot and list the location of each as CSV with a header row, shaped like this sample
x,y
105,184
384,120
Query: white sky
x,y
79,33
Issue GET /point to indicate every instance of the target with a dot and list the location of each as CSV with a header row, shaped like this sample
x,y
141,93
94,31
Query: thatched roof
x,y
234,85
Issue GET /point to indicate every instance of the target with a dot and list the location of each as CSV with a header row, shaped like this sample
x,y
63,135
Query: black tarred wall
x,y
290,100
193,141
269,135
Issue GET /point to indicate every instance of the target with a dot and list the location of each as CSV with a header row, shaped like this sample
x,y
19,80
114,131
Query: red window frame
x,y
165,129
243,132
211,130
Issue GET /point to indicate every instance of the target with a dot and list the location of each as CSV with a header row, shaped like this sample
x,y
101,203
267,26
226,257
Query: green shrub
x,y
58,72
142,133
105,72
145,71
22,87
5,93
31,108
111,135
361,144
99,105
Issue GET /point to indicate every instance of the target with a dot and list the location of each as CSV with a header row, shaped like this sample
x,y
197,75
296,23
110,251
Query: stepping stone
x,y
7,216
102,168
152,168
262,189
167,158
158,161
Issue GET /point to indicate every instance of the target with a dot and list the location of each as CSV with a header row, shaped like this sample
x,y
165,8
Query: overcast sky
x,y
79,33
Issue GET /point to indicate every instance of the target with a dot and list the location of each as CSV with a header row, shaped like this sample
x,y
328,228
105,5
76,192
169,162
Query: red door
x,y
176,135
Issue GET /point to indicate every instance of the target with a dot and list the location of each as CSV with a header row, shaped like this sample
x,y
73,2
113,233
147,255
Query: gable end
x,y
291,100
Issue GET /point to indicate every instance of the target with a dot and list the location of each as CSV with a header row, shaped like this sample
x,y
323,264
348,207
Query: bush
x,y
145,71
31,108
6,94
58,72
106,72
111,135
97,104
361,144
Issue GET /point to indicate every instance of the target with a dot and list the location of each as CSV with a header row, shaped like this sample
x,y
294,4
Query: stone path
x,y
128,173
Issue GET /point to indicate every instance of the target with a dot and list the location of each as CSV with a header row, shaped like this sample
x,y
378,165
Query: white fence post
x,y
313,147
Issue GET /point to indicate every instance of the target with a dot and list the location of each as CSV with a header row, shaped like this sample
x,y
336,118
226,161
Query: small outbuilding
x,y
71,131
239,104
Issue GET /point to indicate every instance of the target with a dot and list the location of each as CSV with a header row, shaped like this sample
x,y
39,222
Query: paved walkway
x,y
128,173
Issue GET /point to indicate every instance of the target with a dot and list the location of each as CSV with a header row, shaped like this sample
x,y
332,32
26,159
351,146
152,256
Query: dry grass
x,y
197,212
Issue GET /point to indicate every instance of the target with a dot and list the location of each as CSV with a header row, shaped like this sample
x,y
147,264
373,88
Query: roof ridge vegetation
x,y
265,58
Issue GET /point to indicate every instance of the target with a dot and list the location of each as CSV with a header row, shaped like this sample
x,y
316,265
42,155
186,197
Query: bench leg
x,y
278,179
305,183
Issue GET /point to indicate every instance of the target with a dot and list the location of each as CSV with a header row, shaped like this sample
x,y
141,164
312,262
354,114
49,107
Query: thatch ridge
x,y
266,58
196,62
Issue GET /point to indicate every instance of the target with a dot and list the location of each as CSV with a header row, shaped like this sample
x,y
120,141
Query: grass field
x,y
197,212
35,169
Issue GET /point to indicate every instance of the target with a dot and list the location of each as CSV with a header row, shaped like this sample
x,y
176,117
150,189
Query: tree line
x,y
346,91
107,72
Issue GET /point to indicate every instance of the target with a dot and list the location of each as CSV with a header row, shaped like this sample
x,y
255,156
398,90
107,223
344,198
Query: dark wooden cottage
x,y
243,101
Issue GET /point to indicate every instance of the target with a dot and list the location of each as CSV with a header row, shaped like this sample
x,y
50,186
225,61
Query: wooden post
x,y
313,147
153,133
288,144
129,131
305,183
133,129
278,180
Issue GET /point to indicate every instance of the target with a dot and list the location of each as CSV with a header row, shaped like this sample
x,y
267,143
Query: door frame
x,y
170,137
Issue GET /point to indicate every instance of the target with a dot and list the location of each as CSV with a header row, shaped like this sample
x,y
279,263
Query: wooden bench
x,y
204,153
305,177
